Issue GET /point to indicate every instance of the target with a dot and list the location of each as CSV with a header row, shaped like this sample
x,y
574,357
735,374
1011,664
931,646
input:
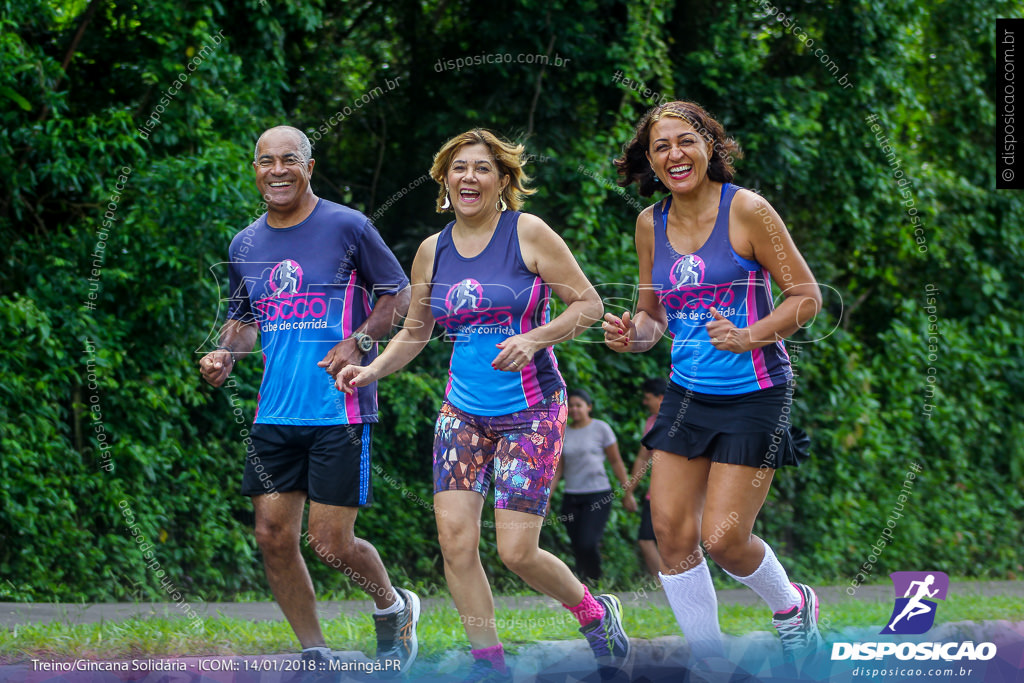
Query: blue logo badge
x,y
914,612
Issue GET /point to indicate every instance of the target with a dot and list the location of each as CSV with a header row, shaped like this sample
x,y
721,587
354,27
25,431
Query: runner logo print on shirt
x,y
914,612
688,298
687,271
285,278
464,296
287,306
470,313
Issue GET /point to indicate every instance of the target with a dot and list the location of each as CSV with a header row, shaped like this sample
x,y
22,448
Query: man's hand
x,y
344,353
216,366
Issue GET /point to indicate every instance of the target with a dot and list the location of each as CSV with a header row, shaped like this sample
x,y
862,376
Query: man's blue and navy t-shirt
x,y
308,287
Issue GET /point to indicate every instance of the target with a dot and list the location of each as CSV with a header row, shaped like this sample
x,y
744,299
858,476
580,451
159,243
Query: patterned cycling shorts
x,y
519,452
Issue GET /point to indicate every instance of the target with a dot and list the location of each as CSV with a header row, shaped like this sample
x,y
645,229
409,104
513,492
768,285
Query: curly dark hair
x,y
633,166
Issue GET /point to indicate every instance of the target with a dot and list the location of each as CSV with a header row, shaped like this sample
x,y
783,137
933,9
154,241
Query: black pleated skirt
x,y
750,429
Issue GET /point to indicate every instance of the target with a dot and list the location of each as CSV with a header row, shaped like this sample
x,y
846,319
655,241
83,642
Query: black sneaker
x,y
483,671
798,629
606,636
396,636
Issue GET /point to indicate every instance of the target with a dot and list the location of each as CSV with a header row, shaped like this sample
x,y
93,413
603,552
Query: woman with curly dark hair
x,y
708,252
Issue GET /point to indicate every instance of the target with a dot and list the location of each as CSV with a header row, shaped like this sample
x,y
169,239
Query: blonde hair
x,y
508,157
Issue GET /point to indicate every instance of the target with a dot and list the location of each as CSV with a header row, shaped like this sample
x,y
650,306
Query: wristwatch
x,y
363,341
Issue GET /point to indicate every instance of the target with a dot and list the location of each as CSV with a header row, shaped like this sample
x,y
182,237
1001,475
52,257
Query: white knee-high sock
x,y
695,605
771,582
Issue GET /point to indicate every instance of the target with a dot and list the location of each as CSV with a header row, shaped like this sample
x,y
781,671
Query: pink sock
x,y
494,654
588,610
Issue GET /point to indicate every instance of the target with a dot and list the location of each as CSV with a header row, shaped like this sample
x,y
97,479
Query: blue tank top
x,y
480,302
715,275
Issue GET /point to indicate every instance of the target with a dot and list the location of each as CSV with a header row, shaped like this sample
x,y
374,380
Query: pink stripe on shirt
x,y
352,412
756,355
528,375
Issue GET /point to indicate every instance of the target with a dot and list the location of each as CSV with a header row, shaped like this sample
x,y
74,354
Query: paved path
x,y
656,660
14,613
659,660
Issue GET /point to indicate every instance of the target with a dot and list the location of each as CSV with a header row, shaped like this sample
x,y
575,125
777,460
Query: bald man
x,y
316,282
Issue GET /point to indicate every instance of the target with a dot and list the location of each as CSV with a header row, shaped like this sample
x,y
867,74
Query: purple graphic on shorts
x,y
518,452
687,271
464,296
285,278
916,592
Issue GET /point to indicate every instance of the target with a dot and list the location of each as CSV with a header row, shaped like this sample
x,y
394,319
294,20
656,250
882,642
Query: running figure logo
x,y
914,613
687,271
285,278
464,296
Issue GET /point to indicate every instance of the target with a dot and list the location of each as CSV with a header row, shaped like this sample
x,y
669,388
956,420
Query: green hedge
x,y
102,410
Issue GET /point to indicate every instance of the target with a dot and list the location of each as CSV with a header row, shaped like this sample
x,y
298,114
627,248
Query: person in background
x,y
653,390
588,496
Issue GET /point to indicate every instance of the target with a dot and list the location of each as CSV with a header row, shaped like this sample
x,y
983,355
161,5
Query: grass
x,y
440,630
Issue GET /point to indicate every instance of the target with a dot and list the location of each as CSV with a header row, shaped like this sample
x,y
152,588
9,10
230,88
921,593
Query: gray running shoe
x,y
606,636
798,629
396,636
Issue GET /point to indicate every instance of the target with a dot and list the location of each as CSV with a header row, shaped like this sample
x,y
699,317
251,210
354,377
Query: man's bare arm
x,y
236,339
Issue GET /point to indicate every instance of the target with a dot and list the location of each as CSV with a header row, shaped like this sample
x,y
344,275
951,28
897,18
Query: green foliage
x,y
128,130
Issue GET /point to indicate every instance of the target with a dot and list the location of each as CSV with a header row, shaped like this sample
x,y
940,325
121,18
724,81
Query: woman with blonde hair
x,y
486,279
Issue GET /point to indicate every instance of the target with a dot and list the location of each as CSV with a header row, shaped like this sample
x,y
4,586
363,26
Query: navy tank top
x,y
481,301
715,275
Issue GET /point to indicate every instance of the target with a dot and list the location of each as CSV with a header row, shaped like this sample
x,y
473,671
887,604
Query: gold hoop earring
x,y
500,204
